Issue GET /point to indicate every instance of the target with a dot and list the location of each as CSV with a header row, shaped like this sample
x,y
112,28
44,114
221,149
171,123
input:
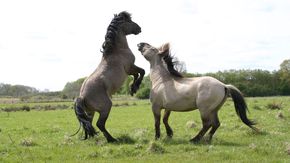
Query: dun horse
x,y
116,64
172,92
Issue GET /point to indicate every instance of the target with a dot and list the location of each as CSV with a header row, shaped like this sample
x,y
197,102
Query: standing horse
x,y
116,64
173,92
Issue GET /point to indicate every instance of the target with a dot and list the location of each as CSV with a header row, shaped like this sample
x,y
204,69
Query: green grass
x,y
43,136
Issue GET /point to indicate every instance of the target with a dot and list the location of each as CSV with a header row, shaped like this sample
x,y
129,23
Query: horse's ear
x,y
125,15
164,49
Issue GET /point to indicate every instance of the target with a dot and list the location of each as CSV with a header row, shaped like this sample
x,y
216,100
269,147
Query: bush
x,y
143,93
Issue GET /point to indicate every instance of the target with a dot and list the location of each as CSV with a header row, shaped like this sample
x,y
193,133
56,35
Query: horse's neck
x,y
121,41
159,75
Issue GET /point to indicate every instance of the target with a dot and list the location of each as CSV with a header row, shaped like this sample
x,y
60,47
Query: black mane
x,y
168,59
112,30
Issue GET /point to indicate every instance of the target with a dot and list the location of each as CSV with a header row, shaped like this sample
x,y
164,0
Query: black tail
x,y
240,105
84,119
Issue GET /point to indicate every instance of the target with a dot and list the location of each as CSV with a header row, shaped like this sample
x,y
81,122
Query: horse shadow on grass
x,y
127,139
204,141
123,139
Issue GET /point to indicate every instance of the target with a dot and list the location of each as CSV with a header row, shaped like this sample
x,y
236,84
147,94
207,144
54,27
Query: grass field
x,y
42,135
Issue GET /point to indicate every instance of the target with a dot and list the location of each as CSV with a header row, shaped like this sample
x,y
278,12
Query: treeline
x,y
16,90
254,82
251,82
72,89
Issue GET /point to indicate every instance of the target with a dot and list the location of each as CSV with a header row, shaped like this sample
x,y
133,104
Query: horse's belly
x,y
178,104
115,81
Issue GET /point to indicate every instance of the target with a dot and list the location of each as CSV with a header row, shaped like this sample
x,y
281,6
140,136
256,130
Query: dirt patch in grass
x,y
28,142
155,147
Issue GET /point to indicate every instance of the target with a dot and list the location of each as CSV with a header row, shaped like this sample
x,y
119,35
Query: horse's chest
x,y
128,61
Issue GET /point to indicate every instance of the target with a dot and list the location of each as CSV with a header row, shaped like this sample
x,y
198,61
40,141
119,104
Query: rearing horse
x,y
116,64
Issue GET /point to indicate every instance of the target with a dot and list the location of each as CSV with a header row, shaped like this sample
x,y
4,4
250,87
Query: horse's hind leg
x,y
91,117
165,121
206,124
104,113
215,125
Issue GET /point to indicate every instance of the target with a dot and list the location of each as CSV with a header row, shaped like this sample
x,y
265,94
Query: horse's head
x,y
122,25
156,56
126,25
151,53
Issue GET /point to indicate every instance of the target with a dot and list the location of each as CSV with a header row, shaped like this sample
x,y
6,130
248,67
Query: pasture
x,y
41,134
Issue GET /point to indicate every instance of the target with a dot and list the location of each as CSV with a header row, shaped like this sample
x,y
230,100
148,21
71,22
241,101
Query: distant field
x,y
42,135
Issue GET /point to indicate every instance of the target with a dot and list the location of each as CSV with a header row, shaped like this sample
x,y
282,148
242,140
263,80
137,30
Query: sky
x,y
45,44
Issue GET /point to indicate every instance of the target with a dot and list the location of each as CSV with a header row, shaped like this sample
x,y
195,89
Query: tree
x,y
284,74
125,89
4,89
285,66
72,89
144,90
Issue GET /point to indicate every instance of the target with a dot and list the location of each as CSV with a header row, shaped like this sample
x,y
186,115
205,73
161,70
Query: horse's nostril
x,y
140,46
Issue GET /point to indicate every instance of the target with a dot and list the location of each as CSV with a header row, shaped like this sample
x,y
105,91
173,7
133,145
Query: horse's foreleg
x,y
134,88
157,114
141,73
138,74
165,121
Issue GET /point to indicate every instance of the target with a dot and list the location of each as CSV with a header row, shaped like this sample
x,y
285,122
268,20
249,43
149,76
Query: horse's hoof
x,y
194,140
157,138
170,134
112,140
133,89
132,93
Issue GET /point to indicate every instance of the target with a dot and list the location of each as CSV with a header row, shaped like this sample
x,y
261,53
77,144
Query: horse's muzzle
x,y
138,31
140,46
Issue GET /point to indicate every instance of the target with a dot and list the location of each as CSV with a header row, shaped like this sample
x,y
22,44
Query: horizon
x,y
47,90
45,44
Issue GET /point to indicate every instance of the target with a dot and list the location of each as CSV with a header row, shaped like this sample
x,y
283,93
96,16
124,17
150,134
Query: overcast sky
x,y
45,44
